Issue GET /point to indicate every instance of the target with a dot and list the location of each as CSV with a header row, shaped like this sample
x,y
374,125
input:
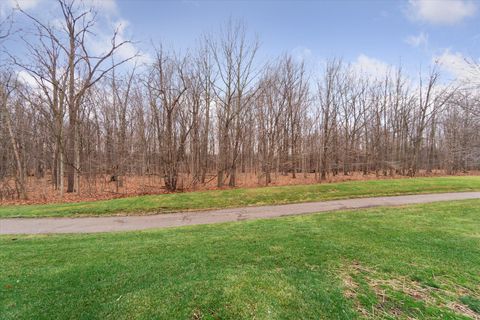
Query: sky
x,y
368,34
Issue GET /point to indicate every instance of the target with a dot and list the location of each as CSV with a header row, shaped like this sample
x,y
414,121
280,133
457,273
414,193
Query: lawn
x,y
246,197
417,261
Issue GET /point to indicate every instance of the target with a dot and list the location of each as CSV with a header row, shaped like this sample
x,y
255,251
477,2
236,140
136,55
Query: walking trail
x,y
129,223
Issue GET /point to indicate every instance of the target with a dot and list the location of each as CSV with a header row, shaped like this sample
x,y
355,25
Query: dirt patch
x,y
196,315
350,287
357,276
411,288
463,310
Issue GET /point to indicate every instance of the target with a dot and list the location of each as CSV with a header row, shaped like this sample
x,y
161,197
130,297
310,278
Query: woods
x,y
182,120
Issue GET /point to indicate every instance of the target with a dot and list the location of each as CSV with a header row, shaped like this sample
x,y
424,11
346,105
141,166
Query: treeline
x,y
215,112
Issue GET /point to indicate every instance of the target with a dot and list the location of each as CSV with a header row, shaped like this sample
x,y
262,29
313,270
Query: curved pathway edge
x,y
131,223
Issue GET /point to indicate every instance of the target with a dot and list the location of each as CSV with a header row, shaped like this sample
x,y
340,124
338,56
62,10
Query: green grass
x,y
385,263
472,302
246,197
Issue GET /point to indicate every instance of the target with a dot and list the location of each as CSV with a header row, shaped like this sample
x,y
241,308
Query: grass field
x,y
385,263
246,197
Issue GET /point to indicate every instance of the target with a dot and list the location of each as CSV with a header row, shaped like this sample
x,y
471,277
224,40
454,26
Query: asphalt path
x,y
143,222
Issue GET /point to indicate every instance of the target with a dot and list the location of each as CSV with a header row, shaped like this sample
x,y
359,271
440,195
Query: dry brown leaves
x,y
41,191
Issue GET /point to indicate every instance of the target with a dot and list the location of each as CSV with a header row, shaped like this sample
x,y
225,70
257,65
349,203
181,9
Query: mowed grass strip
x,y
385,263
240,197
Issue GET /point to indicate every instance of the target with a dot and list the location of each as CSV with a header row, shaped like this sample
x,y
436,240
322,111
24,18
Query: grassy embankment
x,y
246,197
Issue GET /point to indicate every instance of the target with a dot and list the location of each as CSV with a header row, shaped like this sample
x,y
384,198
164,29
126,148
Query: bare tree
x,y
7,87
234,58
68,51
167,85
183,121
328,104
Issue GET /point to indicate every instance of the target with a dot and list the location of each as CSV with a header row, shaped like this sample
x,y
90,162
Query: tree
x,y
167,85
234,58
67,52
7,89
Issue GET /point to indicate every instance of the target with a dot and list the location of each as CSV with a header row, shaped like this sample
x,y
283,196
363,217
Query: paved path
x,y
128,223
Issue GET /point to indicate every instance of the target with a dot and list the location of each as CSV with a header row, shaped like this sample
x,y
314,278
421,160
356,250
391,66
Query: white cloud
x,y
27,79
301,53
129,50
447,12
121,25
371,67
101,43
105,6
6,6
23,4
102,6
458,66
418,40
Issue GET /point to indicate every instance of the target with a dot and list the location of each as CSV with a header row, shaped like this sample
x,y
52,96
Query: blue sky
x,y
371,34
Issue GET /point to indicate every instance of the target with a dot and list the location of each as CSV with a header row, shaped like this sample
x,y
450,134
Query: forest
x,y
94,124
